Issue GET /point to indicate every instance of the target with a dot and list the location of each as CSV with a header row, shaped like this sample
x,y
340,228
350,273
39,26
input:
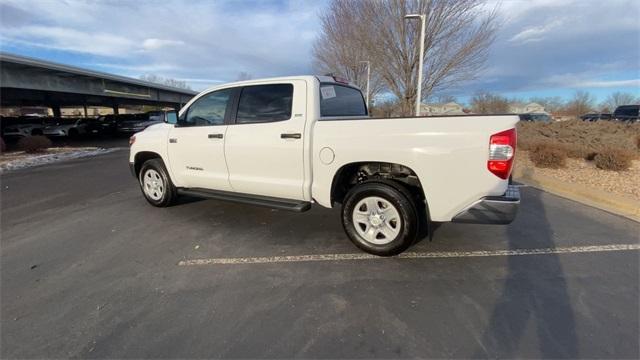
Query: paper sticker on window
x,y
328,92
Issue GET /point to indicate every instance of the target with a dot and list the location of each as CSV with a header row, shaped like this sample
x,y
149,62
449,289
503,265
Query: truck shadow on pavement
x,y
534,296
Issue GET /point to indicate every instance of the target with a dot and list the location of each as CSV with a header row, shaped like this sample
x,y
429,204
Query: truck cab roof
x,y
319,78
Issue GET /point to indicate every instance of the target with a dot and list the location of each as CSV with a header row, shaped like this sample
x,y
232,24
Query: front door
x,y
264,147
196,144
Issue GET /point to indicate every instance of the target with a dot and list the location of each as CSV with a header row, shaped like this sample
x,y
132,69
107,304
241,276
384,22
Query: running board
x,y
267,201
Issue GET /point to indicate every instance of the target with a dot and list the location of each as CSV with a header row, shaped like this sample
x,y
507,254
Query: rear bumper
x,y
492,209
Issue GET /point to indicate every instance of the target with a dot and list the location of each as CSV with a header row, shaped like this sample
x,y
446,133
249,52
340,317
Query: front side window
x,y
209,109
338,100
265,103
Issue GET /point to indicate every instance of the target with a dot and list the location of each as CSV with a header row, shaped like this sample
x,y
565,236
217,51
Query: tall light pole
x,y
422,18
368,78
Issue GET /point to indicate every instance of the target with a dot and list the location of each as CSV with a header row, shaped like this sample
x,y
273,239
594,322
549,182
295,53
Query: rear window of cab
x,y
339,100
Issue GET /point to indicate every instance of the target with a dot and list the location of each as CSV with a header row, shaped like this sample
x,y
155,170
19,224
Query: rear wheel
x,y
380,219
155,183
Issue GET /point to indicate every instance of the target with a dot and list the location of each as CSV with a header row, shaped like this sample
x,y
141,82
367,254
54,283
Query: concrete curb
x,y
614,203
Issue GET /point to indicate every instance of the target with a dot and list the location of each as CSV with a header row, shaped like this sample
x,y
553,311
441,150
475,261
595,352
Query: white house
x,y
529,108
450,108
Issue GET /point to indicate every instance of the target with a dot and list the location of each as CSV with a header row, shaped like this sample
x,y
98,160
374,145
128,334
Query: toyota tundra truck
x,y
291,142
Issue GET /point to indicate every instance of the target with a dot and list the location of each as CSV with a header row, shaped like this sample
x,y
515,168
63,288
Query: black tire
x,y
403,202
169,193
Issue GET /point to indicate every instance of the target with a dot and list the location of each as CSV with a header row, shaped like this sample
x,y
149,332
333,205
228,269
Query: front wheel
x,y
380,219
156,184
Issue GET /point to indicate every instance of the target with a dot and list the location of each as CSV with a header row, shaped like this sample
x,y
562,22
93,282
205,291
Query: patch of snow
x,y
37,160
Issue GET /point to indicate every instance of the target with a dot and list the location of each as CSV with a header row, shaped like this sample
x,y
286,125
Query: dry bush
x,y
613,159
34,144
581,139
577,151
591,155
548,155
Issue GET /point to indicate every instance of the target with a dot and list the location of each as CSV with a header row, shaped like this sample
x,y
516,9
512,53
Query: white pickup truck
x,y
293,141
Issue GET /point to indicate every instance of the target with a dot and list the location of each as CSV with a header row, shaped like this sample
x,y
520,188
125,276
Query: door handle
x,y
215,136
173,141
291,136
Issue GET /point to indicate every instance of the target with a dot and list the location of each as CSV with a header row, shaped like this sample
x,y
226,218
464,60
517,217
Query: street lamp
x,y
422,18
368,78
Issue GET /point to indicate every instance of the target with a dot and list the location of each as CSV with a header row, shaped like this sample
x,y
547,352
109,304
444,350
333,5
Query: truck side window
x,y
338,100
208,110
265,103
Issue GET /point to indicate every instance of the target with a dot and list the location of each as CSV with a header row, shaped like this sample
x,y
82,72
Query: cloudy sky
x,y
544,47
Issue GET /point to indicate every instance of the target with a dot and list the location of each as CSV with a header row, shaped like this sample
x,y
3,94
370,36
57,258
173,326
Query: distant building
x,y
529,108
450,108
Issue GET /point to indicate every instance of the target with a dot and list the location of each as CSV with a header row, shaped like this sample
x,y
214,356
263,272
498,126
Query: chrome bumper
x,y
492,209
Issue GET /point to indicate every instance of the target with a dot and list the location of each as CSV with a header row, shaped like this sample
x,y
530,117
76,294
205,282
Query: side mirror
x,y
171,117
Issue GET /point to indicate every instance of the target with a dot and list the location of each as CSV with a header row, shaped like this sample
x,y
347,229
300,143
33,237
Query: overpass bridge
x,y
29,82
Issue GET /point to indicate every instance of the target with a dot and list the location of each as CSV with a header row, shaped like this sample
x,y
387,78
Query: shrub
x,y
34,144
546,155
613,159
590,155
590,135
576,151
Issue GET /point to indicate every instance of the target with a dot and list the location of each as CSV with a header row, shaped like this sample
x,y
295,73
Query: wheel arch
x,y
143,156
351,174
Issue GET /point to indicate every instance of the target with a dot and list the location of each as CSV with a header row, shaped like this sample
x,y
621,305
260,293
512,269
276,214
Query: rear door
x,y
196,143
264,145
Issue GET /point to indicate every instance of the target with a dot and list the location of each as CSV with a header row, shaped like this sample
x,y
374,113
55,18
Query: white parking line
x,y
409,255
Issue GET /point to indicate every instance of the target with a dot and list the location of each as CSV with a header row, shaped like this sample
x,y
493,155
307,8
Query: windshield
x,y
339,100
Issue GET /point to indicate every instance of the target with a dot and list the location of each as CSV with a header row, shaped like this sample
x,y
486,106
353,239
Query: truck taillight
x,y
132,140
502,149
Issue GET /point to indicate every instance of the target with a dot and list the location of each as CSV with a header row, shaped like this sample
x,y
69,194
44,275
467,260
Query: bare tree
x,y
180,84
581,103
339,51
488,103
445,98
242,76
616,99
388,108
458,34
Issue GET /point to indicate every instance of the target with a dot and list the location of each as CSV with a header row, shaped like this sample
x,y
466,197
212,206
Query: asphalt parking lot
x,y
88,269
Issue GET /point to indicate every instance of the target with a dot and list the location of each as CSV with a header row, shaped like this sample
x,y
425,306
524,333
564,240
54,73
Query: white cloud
x,y
206,39
536,33
145,68
542,43
154,44
67,39
592,78
607,84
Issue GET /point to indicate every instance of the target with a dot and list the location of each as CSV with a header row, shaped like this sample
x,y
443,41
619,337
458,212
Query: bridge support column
x,y
56,111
